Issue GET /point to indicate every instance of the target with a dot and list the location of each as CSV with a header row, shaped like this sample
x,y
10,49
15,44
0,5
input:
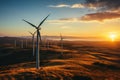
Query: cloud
x,y
59,6
104,5
100,16
64,20
105,10
100,5
77,6
67,6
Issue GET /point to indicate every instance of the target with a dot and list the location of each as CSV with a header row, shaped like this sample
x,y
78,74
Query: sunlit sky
x,y
70,17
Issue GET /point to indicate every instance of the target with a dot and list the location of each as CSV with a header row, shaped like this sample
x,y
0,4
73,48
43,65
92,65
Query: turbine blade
x,y
34,32
30,23
39,36
30,33
43,21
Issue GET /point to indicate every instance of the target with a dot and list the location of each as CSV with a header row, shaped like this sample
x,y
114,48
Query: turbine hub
x,y
39,28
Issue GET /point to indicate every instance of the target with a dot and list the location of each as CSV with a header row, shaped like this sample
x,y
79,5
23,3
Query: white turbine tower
x,y
38,37
33,42
61,42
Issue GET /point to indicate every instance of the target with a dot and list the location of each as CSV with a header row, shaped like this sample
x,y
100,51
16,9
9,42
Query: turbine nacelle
x,y
38,28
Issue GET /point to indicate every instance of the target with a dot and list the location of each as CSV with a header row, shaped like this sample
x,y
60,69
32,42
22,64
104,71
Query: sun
x,y
112,36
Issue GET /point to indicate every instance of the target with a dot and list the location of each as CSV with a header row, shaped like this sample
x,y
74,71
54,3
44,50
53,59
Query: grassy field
x,y
79,61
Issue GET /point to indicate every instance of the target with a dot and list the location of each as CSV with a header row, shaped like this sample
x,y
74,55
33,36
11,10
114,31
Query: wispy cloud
x,y
77,6
104,5
67,6
59,5
64,20
105,10
101,5
100,17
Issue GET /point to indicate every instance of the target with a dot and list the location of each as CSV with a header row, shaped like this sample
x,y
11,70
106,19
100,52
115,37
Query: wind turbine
x,y
33,34
48,44
15,43
38,37
44,42
61,42
21,43
26,42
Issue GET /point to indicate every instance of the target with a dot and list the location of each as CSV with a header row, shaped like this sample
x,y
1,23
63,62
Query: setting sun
x,y
113,36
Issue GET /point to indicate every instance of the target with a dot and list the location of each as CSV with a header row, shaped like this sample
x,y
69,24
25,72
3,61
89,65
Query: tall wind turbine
x,y
33,41
61,42
38,37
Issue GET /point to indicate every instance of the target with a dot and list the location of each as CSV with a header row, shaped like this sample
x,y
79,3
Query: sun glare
x,y
113,36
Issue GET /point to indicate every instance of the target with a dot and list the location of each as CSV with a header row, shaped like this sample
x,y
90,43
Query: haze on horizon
x,y
77,18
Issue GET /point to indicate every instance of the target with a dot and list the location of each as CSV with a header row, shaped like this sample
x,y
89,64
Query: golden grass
x,y
98,63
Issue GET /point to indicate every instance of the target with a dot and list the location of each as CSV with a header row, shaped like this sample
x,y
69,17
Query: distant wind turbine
x,y
38,37
21,43
48,44
15,43
33,41
26,42
61,42
44,42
